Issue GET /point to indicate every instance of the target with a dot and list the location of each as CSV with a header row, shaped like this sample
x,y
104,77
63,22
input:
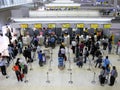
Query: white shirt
x,y
62,51
73,43
38,48
2,62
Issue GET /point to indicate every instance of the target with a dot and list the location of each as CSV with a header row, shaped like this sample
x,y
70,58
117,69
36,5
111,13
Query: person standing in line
x,y
24,68
86,54
20,47
113,76
102,76
118,48
17,72
73,45
8,34
62,52
10,51
99,61
3,66
81,46
40,57
106,62
25,54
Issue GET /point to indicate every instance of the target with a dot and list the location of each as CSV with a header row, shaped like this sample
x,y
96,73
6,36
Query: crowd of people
x,y
83,47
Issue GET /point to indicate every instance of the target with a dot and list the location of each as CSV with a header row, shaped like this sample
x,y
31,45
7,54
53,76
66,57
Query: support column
x,y
115,7
94,2
115,4
109,2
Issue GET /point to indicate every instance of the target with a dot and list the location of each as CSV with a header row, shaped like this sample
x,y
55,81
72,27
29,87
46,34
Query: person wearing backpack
x,y
52,41
86,54
113,76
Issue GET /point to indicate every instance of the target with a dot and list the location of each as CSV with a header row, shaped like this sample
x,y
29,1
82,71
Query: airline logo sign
x,y
80,25
51,25
24,25
107,26
94,26
38,26
66,25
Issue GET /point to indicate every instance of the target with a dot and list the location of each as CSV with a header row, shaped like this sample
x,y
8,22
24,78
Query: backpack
x,y
18,45
52,39
87,53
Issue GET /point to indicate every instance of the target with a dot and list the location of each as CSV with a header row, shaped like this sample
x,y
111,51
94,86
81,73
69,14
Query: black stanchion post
x,y
93,81
71,82
48,81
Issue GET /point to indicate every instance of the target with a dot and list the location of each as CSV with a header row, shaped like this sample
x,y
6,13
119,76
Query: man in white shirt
x,y
73,46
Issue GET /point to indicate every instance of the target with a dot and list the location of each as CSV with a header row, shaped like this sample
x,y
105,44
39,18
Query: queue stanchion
x,y
93,81
70,81
30,63
94,74
118,54
50,69
51,54
89,69
6,73
47,81
69,69
25,78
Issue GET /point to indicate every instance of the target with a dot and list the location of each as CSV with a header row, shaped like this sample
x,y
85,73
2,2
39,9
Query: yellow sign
x,y
24,25
51,25
107,26
66,25
80,25
94,26
38,26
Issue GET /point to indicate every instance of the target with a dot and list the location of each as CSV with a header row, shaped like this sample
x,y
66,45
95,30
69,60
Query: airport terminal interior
x,y
59,44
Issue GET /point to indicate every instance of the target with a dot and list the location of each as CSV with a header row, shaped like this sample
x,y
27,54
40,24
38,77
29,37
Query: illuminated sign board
x,y
24,25
94,26
38,25
80,25
66,25
51,25
107,26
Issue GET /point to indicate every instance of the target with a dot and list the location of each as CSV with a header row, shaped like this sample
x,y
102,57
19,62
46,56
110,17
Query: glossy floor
x,y
59,79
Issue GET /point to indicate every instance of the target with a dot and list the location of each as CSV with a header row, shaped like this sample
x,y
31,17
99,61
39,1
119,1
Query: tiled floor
x,y
59,79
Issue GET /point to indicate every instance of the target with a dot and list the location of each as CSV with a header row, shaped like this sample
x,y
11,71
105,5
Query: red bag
x,y
22,75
